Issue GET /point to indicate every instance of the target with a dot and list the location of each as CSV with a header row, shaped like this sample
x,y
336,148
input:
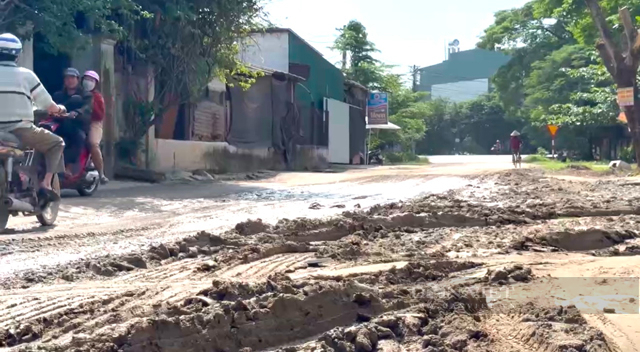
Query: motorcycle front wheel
x,y
50,213
4,210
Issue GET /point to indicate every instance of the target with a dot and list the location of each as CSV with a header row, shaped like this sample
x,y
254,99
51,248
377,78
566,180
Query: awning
x,y
388,126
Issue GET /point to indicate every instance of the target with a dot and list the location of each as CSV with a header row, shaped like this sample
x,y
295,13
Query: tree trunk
x,y
634,128
622,64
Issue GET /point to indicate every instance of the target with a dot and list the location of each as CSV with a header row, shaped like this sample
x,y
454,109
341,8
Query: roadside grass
x,y
420,161
555,165
405,159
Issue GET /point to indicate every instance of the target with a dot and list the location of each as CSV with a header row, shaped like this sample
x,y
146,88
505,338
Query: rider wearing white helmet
x,y
20,90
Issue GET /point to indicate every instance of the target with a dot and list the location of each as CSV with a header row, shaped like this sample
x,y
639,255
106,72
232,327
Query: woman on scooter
x,y
90,81
74,129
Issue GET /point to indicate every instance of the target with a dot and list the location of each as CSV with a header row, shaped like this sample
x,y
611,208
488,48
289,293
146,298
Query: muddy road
x,y
443,258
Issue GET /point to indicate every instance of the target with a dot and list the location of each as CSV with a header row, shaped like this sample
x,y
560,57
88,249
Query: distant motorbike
x,y
495,149
375,157
85,178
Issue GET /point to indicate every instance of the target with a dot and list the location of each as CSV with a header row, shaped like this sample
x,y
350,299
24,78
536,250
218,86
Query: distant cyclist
x,y
497,148
516,144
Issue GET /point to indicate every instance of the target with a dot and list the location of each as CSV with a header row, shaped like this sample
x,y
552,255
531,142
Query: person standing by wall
x,y
90,81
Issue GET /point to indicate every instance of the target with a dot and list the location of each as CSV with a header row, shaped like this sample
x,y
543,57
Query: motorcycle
x,y
85,178
375,157
21,171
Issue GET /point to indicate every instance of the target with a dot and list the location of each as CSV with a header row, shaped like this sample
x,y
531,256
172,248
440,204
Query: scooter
x,y
375,157
85,178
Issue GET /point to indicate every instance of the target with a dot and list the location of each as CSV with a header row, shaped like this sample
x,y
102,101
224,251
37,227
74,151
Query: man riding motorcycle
x,y
74,130
22,90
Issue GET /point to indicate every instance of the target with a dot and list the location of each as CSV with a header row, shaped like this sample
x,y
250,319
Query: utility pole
x,y
415,70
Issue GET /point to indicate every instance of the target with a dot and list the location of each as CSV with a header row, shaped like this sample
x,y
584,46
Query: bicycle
x,y
516,159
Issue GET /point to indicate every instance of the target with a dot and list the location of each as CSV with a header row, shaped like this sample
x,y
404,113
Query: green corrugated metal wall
x,y
463,66
325,79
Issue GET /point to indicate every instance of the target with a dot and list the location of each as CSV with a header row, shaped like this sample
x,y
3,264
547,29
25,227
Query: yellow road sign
x,y
553,129
622,117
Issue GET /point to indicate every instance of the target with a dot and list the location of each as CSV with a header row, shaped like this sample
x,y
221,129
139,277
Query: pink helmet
x,y
93,74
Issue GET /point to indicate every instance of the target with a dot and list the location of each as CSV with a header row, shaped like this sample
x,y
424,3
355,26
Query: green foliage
x,y
476,124
353,42
190,42
407,109
404,158
555,74
138,115
628,154
187,42
534,159
542,152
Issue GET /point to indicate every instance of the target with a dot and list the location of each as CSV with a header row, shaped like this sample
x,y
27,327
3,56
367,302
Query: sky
x,y
409,32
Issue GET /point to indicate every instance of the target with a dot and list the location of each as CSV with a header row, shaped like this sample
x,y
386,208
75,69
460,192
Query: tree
x,y
407,109
556,75
621,61
358,63
528,34
187,42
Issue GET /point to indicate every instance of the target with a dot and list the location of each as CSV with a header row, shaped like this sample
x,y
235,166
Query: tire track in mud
x,y
620,340
168,284
90,307
512,331
48,248
260,269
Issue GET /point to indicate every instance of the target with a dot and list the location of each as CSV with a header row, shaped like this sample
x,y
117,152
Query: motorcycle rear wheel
x,y
50,213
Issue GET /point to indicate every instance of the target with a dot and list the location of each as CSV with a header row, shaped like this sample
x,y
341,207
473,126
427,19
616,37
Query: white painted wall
x,y
338,131
461,91
268,50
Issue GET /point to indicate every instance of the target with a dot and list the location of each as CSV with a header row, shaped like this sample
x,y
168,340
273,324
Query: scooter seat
x,y
9,140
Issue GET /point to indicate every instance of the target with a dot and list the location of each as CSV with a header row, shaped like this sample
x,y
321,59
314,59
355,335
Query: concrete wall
x,y
269,50
26,58
220,157
460,91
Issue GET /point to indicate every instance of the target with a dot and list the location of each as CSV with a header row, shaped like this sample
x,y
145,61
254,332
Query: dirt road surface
x,y
455,256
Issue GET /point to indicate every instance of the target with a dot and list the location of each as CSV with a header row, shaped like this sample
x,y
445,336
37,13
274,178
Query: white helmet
x,y
10,44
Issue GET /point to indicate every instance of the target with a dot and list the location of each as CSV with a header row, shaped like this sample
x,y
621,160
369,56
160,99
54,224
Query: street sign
x,y
378,109
553,129
622,117
625,96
